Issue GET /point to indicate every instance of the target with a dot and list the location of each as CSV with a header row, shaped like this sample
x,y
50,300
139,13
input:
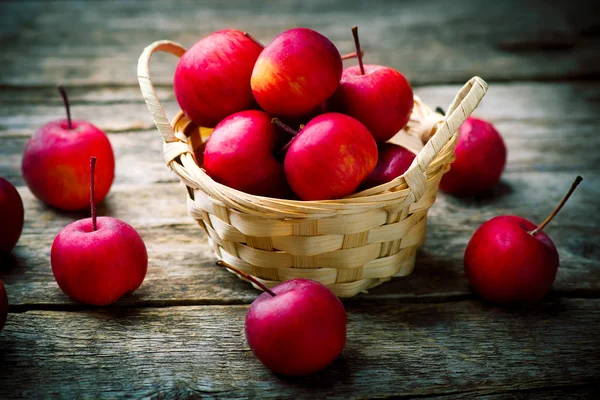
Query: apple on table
x,y
296,328
480,159
99,259
56,159
11,214
511,260
3,305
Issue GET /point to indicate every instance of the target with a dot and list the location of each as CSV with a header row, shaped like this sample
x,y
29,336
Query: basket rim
x,y
424,121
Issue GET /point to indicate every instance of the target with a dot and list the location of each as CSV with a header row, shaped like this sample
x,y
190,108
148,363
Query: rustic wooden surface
x,y
426,335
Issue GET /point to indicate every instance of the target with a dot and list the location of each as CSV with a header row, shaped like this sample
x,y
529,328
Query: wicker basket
x,y
350,244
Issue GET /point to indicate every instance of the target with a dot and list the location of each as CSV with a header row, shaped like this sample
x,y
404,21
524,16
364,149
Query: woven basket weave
x,y
350,244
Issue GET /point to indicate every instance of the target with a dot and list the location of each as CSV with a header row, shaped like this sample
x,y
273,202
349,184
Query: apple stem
x,y
557,209
255,40
359,53
289,130
63,93
352,55
252,279
283,126
92,200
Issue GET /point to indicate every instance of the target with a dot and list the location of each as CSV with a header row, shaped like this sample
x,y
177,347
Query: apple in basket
x,y
330,157
379,97
212,78
480,159
393,161
510,260
296,73
56,159
296,328
98,260
241,153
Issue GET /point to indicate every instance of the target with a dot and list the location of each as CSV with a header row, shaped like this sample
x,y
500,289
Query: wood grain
x,y
427,336
545,126
182,268
24,110
457,348
433,42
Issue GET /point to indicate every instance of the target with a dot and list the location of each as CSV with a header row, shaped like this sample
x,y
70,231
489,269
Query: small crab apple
x,y
11,215
510,260
480,159
296,328
56,159
379,97
97,260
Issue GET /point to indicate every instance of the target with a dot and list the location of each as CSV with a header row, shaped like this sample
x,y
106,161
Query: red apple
x,y
480,159
296,328
212,78
240,153
330,157
379,97
510,260
295,73
392,162
56,159
3,305
298,331
97,260
11,215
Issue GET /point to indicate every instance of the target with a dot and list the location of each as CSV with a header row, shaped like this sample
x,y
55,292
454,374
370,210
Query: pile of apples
x,y
289,121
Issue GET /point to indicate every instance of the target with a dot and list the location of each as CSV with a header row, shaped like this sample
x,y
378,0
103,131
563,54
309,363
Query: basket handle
x,y
461,107
148,91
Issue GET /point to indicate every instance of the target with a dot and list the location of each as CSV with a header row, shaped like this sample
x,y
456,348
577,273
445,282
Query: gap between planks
x,y
383,299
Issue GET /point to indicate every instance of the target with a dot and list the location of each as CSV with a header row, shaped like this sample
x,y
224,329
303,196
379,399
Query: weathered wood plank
x,y
431,42
531,147
556,393
454,349
546,126
138,155
182,268
117,110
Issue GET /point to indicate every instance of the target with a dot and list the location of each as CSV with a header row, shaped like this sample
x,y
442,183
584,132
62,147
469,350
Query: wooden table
x,y
426,335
